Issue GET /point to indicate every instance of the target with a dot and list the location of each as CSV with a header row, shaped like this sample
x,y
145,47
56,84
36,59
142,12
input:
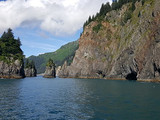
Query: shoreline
x,y
122,79
149,80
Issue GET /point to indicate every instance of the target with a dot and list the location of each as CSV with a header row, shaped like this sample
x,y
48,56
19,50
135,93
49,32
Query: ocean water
x,y
78,99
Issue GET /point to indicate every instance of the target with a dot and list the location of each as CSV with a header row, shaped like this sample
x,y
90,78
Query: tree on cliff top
x,y
9,46
50,63
105,8
29,64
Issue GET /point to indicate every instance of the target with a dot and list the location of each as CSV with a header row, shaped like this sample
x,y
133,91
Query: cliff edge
x,y
123,45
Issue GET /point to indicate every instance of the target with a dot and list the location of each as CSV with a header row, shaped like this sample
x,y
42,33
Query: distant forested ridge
x,y
65,53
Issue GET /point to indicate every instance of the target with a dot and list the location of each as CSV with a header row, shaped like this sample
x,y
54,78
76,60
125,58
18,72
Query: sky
x,y
45,25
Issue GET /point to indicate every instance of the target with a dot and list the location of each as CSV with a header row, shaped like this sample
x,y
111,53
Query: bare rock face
x,y
50,69
63,70
129,51
58,69
14,70
30,72
30,69
50,72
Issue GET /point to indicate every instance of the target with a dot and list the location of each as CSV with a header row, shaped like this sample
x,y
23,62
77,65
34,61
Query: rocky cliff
x,y
114,48
50,71
11,56
30,72
13,70
30,69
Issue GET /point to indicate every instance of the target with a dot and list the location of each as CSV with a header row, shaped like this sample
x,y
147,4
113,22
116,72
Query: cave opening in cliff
x,y
132,76
100,73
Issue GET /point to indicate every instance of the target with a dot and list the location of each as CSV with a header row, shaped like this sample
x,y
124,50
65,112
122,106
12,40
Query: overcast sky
x,y
45,25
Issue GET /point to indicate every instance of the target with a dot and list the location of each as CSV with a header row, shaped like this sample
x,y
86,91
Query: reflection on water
x,y
41,98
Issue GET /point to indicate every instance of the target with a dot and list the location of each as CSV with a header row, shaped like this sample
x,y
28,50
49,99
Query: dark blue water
x,y
78,99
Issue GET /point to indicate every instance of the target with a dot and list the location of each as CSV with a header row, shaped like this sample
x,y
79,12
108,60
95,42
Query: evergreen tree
x,y
89,20
50,63
105,8
29,64
102,9
32,64
18,42
115,5
0,51
10,34
3,37
10,47
108,7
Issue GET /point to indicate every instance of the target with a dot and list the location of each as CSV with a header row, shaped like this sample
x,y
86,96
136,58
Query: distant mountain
x,y
65,53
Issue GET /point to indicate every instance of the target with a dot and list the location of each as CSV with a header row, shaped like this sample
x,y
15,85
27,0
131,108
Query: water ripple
x,y
78,99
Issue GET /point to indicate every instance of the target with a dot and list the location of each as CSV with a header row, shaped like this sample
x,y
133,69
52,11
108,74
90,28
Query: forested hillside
x,y
65,53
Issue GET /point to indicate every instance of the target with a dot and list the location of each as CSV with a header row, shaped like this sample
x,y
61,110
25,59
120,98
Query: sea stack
x,y
30,69
12,70
11,57
50,71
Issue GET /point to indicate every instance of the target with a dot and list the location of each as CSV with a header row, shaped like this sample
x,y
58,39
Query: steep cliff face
x,y
13,70
114,49
30,72
30,69
50,71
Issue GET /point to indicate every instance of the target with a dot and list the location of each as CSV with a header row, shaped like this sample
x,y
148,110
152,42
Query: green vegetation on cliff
x,y
10,47
123,44
50,63
116,5
65,53
29,64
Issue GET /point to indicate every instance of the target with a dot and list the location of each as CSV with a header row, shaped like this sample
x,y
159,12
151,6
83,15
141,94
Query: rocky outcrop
x,y
62,71
14,70
30,72
50,71
129,51
30,69
58,69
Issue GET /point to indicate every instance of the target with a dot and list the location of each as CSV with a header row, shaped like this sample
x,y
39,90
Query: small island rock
x,y
11,56
50,71
30,70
